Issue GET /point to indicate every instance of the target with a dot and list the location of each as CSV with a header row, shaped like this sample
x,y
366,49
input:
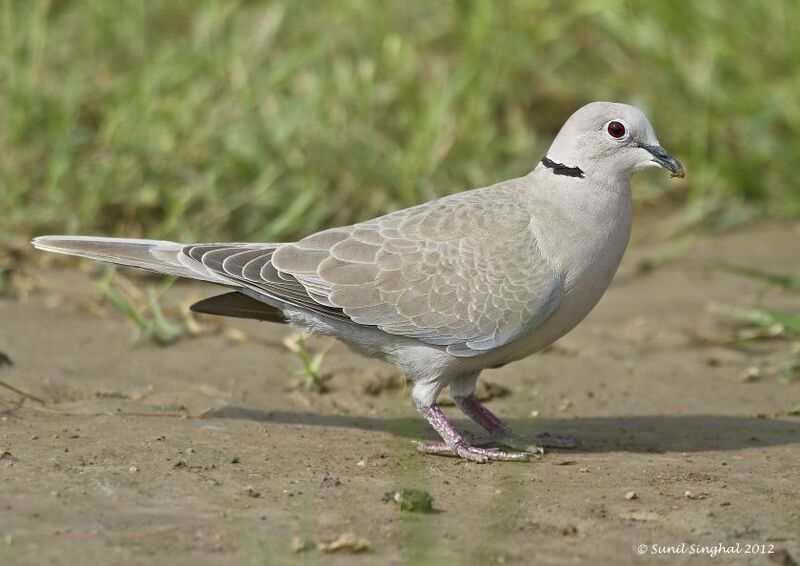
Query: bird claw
x,y
520,443
473,453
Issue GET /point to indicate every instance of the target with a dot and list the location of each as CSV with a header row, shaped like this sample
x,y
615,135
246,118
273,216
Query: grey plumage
x,y
441,273
449,287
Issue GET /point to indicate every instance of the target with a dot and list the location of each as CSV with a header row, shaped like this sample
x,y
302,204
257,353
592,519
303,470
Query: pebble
x,y
688,494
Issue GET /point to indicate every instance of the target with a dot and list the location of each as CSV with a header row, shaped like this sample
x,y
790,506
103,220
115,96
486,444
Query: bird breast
x,y
587,243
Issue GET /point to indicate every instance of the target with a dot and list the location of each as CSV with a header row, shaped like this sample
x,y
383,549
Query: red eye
x,y
616,129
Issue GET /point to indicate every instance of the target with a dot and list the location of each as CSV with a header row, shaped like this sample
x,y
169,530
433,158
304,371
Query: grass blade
x,y
789,282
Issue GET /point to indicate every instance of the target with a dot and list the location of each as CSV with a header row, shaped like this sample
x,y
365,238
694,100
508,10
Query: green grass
x,y
144,310
759,322
209,120
310,371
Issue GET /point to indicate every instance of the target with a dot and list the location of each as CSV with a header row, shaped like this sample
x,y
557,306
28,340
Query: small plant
x,y
763,323
789,282
794,410
411,500
20,392
312,378
5,360
143,309
759,322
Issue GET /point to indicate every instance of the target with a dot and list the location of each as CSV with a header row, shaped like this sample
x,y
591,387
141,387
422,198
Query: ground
x,y
200,453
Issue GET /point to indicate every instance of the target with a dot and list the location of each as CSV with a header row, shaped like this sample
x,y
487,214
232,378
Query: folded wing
x,y
460,272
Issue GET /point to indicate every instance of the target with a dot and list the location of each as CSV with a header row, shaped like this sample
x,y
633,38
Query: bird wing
x,y
465,272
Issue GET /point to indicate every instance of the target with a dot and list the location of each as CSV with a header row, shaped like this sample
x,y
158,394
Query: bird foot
x,y
473,453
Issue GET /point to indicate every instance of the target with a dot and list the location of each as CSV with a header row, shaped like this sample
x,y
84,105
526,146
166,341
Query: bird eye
x,y
616,129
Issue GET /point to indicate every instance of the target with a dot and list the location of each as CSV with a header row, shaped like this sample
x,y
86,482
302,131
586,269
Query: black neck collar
x,y
561,169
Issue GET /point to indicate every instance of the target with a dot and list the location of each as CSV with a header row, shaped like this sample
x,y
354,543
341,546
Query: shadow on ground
x,y
654,434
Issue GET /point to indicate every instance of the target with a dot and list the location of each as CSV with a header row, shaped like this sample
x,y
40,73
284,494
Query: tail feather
x,y
155,255
239,305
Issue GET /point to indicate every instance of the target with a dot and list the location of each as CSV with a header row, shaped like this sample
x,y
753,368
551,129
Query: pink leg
x,y
454,444
474,409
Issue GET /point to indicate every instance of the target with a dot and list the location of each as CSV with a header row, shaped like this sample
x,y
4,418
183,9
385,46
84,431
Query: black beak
x,y
665,160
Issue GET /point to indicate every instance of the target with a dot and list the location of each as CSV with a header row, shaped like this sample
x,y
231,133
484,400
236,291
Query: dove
x,y
444,289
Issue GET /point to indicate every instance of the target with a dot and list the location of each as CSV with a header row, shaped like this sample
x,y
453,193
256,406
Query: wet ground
x,y
202,453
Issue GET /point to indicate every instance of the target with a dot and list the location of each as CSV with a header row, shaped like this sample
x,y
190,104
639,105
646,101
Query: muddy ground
x,y
200,453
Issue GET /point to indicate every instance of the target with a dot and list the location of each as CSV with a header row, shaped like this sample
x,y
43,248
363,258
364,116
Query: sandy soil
x,y
110,472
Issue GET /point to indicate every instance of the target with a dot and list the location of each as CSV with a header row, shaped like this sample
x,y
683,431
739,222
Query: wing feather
x,y
464,272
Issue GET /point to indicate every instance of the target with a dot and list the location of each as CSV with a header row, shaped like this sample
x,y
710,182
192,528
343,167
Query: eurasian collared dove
x,y
445,289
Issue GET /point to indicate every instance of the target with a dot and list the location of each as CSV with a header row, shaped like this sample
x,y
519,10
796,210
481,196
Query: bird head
x,y
608,138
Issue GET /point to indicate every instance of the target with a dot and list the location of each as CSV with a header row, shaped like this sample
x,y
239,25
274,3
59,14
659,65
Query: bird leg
x,y
455,445
502,433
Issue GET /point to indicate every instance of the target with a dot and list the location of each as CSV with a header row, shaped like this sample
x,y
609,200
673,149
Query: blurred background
x,y
210,120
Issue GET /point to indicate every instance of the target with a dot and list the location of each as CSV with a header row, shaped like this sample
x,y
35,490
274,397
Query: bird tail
x,y
155,255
